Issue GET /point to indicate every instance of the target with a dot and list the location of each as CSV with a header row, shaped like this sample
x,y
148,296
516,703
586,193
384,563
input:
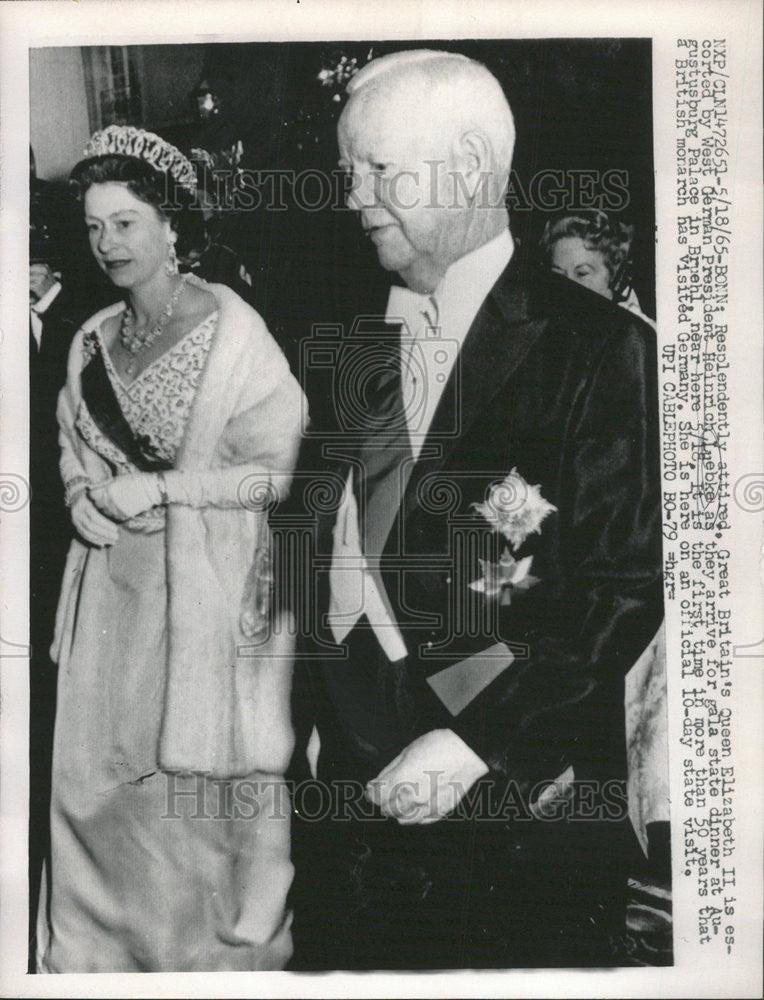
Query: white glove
x,y
91,524
127,496
428,778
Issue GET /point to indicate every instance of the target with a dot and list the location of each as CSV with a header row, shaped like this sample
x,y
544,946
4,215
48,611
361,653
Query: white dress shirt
x,y
37,309
435,328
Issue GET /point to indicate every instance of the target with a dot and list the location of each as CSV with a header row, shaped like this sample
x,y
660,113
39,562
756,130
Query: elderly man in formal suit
x,y
489,574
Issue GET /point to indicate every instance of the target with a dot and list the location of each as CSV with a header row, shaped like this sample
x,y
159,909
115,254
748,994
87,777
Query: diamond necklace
x,y
136,340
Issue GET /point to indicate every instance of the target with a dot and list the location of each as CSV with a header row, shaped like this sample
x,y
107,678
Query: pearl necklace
x,y
136,340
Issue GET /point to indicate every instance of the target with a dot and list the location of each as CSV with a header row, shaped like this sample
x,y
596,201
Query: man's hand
x,y
428,779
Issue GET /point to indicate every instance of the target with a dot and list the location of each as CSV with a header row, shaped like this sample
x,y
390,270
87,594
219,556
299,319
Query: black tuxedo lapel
x,y
501,335
59,324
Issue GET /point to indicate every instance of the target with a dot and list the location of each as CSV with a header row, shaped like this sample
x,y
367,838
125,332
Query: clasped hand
x,y
428,779
126,496
91,524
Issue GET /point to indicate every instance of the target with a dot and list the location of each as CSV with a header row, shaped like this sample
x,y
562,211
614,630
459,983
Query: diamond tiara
x,y
126,140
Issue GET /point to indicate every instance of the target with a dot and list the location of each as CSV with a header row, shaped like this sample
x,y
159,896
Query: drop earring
x,y
171,264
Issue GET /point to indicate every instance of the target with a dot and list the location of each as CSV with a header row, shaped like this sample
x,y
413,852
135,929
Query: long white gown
x,y
150,870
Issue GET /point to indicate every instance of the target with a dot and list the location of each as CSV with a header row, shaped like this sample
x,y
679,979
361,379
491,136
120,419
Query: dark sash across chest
x,y
103,406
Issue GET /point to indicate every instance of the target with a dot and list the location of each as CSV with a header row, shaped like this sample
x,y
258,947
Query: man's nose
x,y
363,192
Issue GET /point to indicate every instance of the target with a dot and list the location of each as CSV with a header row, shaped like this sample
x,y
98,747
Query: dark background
x,y
579,104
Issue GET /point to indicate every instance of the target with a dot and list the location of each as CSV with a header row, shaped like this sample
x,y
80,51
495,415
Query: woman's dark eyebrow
x,y
121,211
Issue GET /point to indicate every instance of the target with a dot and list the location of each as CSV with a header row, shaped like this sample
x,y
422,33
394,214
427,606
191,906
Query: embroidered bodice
x,y
157,403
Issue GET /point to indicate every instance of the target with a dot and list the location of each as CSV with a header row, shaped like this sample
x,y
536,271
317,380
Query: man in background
x,y
55,313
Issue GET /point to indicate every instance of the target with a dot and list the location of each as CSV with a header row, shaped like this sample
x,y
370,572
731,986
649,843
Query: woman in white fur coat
x,y
180,423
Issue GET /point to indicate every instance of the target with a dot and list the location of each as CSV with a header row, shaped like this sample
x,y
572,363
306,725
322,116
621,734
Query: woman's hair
x,y
610,238
151,186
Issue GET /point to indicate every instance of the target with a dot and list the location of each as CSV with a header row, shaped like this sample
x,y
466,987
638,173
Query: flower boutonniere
x,y
516,509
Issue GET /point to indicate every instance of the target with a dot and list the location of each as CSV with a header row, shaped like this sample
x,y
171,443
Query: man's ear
x,y
474,159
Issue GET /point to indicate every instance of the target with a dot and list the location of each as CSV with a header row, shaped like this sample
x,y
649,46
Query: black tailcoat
x,y
560,385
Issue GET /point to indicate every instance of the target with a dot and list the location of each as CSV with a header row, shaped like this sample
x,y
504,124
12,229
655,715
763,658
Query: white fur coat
x,y
226,702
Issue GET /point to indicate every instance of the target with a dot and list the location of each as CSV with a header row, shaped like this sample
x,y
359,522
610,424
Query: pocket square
x,y
458,684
